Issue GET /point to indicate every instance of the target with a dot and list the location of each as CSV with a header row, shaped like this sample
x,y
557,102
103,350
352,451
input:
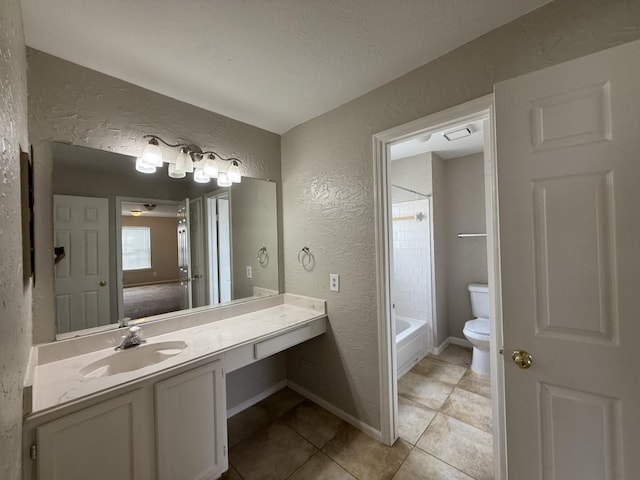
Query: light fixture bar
x,y
191,159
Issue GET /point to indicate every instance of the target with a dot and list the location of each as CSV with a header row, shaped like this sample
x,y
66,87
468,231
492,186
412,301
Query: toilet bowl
x,y
478,330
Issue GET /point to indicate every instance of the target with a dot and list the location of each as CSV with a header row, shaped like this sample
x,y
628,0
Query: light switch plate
x,y
334,282
249,272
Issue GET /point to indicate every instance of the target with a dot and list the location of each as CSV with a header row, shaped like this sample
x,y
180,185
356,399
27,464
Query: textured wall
x,y
253,221
466,257
327,173
15,296
83,107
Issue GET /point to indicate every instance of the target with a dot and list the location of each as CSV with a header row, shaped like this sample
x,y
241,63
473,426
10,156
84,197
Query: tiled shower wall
x,y
412,260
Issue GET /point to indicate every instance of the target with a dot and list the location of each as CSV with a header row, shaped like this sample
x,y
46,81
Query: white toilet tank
x,y
479,293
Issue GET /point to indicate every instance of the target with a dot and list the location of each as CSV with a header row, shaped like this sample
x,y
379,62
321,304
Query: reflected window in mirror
x,y
138,246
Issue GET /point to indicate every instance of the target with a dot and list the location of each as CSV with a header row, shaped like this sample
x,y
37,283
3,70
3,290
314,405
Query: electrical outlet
x,y
334,282
249,272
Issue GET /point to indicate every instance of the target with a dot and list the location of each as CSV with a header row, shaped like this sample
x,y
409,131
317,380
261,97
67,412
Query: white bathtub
x,y
412,342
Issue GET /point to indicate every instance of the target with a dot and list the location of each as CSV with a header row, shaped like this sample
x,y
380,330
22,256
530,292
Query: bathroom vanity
x,y
157,410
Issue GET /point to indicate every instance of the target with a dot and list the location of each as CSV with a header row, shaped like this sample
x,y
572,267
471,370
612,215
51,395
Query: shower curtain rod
x,y
412,191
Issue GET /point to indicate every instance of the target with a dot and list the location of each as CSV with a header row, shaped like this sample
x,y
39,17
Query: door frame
x,y
478,109
118,223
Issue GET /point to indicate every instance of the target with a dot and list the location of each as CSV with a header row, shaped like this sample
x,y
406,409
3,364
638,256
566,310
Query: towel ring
x,y
263,256
304,256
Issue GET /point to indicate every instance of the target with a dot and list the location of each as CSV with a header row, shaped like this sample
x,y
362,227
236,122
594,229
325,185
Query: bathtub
x,y
412,342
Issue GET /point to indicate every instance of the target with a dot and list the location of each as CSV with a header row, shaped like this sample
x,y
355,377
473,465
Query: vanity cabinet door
x,y
105,442
191,425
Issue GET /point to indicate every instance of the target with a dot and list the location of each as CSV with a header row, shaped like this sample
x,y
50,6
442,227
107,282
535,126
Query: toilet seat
x,y
479,326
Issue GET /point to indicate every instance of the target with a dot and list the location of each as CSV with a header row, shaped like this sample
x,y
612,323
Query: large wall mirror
x,y
138,246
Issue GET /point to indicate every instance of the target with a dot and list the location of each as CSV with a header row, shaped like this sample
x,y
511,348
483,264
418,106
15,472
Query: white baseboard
x,y
252,401
451,341
463,342
441,348
363,427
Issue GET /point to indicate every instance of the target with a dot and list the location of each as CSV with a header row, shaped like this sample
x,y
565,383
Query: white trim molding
x,y
258,398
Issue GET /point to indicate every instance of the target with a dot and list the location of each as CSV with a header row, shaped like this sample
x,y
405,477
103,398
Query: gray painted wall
x,y
76,105
440,249
15,295
253,216
466,260
327,174
413,173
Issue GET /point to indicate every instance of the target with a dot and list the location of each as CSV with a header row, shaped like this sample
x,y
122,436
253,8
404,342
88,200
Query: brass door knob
x,y
102,283
522,358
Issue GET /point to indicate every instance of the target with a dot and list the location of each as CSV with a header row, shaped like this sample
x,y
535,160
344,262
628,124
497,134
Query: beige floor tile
x,y
272,453
456,354
413,419
435,369
422,466
363,457
321,467
423,390
469,407
246,423
473,382
466,448
231,474
312,422
280,402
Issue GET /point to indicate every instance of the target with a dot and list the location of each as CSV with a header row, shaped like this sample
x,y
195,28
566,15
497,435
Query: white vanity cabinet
x,y
171,429
191,425
106,441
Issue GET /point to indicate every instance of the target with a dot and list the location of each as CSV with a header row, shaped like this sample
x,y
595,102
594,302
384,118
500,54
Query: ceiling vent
x,y
458,134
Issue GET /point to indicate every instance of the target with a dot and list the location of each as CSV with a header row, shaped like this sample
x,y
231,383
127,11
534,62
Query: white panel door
x,y
105,442
184,255
568,149
191,425
81,226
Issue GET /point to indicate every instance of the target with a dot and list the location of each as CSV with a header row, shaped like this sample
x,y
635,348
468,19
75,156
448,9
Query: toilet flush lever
x,y
522,359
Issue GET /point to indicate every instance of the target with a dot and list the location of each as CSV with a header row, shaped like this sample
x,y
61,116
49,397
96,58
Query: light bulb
x,y
184,163
223,180
144,167
173,173
234,173
199,176
210,167
152,154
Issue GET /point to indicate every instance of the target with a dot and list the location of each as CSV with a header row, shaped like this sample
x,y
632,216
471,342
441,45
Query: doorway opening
x,y
147,251
436,248
219,247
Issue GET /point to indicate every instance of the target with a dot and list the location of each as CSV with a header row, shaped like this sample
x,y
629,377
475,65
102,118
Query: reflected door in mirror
x,y
82,284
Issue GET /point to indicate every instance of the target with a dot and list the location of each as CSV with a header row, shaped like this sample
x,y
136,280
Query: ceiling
x,y
159,210
273,64
438,144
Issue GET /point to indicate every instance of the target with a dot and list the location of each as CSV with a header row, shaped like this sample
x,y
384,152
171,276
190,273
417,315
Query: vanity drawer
x,y
282,342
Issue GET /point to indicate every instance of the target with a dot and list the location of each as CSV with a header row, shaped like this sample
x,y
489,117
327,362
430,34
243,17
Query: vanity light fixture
x,y
136,213
204,165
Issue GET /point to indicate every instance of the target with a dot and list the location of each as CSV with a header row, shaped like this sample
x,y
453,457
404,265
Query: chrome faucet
x,y
132,339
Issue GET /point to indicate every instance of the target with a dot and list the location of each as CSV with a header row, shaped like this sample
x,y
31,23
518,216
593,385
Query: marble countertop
x,y
58,382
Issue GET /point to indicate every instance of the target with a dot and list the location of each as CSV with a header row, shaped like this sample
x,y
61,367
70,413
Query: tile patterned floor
x,y
444,427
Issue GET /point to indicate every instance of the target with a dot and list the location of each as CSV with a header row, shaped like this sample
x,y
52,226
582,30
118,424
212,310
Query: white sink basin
x,y
133,359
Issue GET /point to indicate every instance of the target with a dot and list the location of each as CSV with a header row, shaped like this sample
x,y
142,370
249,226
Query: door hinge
x,y
224,451
33,451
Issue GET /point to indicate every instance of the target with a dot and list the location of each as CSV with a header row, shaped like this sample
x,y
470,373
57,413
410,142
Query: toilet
x,y
477,330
